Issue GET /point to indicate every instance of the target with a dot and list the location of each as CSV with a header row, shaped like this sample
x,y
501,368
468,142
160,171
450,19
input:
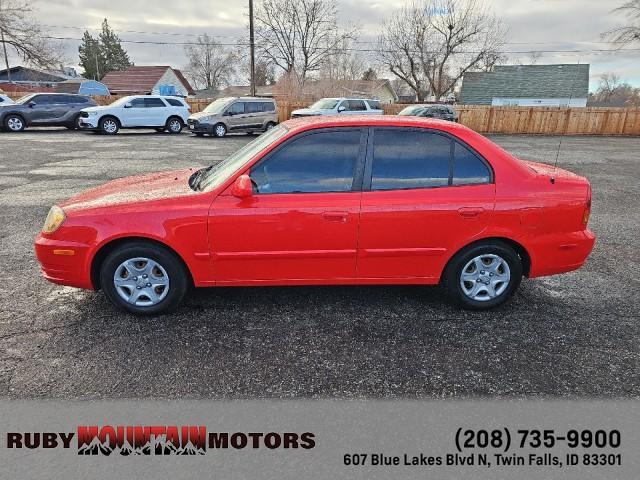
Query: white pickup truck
x,y
340,106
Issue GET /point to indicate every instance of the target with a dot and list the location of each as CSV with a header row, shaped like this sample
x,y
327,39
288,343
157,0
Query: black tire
x,y
14,123
109,125
75,124
219,130
452,278
178,277
269,126
174,125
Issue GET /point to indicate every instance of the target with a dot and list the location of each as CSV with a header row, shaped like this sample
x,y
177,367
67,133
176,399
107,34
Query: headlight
x,y
205,119
54,219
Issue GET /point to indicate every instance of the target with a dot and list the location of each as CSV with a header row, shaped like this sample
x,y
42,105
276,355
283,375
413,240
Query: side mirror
x,y
228,113
242,187
341,108
31,104
128,105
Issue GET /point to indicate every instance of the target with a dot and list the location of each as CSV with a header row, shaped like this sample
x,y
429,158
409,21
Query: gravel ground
x,y
574,335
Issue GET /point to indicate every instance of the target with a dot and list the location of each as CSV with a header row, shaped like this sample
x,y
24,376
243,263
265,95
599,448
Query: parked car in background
x,y
5,100
235,114
350,200
443,112
335,106
44,110
138,111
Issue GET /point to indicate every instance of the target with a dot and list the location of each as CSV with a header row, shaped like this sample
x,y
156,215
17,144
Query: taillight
x,y
587,209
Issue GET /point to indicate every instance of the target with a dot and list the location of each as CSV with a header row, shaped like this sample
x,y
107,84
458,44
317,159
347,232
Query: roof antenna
x,y
562,135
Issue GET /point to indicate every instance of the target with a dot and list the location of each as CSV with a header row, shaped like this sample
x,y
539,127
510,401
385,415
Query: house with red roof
x,y
148,80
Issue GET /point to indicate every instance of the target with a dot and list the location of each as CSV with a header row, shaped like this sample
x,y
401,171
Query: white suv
x,y
141,111
342,106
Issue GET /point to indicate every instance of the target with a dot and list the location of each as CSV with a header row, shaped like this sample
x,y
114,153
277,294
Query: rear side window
x,y
316,162
253,107
153,103
174,102
268,107
374,104
468,168
404,159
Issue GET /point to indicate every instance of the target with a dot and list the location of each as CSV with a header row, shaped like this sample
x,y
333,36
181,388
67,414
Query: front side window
x,y
153,103
316,162
404,159
236,108
468,169
374,104
356,105
137,103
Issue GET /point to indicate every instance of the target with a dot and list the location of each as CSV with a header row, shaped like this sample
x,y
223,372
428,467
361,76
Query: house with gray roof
x,y
528,86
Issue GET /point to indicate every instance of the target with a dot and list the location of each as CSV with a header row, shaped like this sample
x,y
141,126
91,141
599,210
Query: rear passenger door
x,y
253,115
156,112
426,195
355,107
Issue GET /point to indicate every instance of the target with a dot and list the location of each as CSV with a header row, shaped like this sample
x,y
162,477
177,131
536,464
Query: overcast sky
x,y
533,25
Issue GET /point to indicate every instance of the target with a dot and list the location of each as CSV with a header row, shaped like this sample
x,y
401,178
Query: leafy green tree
x,y
104,54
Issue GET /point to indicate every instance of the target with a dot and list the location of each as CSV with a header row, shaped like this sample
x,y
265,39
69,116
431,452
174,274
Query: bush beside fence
x,y
487,119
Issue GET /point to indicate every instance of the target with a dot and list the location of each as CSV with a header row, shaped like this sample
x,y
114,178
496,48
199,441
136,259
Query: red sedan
x,y
330,201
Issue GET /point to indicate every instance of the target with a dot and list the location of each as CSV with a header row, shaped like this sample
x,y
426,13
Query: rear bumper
x,y
555,254
63,262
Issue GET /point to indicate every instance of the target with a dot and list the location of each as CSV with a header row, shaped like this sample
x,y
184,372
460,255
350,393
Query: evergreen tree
x,y
101,55
115,56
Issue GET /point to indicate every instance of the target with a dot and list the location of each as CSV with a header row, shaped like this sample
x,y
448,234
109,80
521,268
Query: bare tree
x,y
630,33
431,44
23,35
609,84
210,65
345,63
299,35
613,92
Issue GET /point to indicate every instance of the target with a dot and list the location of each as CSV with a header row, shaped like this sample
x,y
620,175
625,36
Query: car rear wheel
x,y
269,126
14,123
174,125
75,123
220,130
109,126
484,275
143,278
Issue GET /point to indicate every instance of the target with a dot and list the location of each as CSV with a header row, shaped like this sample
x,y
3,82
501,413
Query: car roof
x,y
307,123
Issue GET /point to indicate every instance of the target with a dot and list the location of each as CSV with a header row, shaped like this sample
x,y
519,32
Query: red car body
x,y
356,237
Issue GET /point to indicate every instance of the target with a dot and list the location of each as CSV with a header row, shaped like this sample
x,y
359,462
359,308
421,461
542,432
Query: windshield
x,y
218,106
220,172
325,104
25,99
412,110
121,101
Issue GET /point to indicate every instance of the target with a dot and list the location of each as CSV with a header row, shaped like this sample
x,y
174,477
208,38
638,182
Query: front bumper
x,y
89,123
198,127
64,262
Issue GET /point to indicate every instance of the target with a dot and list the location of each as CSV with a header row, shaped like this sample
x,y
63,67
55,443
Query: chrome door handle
x,y
470,212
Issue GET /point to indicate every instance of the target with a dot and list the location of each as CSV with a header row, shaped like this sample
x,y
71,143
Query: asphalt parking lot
x,y
574,335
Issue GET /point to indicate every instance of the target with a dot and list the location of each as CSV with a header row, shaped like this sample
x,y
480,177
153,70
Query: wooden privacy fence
x,y
487,119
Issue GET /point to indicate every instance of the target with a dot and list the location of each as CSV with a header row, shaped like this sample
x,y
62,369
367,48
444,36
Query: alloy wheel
x,y
15,124
110,126
175,126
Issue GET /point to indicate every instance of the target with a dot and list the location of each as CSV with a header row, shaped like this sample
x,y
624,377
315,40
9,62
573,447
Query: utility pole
x,y
252,51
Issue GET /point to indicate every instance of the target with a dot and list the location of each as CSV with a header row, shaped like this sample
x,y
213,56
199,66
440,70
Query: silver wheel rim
x,y
485,277
141,282
174,126
14,124
109,126
269,126
220,131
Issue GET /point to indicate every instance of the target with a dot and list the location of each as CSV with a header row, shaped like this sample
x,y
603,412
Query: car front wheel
x,y
143,278
484,275
14,123
220,130
109,126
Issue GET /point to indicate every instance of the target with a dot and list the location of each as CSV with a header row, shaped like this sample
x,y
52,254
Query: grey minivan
x,y
44,110
235,114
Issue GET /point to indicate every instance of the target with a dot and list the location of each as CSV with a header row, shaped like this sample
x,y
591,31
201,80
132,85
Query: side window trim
x,y
368,168
359,171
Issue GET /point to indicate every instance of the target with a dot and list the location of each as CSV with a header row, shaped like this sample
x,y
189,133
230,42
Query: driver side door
x,y
301,223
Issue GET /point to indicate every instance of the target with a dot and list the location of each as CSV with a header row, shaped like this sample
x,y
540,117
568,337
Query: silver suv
x,y
235,114
44,110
